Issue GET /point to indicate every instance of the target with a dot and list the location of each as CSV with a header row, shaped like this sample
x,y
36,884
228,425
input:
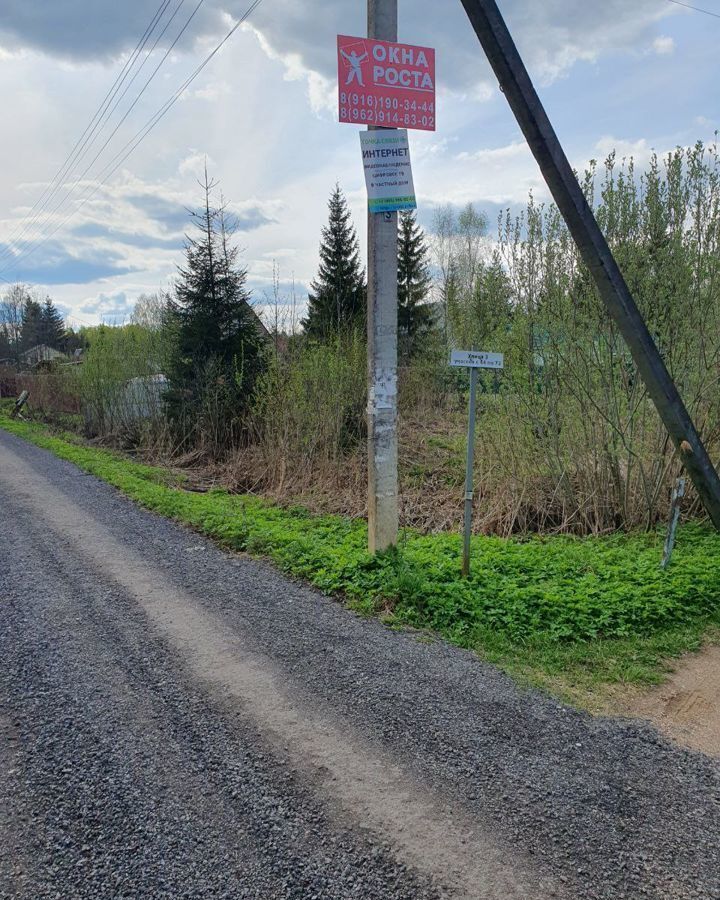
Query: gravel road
x,y
177,722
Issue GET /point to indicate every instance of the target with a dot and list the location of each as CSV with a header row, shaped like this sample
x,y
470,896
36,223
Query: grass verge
x,y
574,615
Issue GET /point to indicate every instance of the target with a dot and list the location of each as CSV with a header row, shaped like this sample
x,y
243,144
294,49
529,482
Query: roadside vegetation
x,y
255,431
573,614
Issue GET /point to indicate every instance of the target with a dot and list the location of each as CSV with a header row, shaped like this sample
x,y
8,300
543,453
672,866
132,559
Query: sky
x,y
634,77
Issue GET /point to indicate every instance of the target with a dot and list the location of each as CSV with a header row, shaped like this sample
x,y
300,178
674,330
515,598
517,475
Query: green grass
x,y
574,614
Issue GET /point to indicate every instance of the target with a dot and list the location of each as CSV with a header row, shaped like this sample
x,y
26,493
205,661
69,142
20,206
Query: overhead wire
x,y
94,123
90,140
114,164
147,57
707,12
48,214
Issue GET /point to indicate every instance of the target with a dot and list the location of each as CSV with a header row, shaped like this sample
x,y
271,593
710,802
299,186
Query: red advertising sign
x,y
381,83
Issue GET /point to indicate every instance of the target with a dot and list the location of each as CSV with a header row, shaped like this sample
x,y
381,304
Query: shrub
x,y
310,405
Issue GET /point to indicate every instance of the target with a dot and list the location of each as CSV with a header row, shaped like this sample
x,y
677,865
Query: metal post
x,y
19,403
547,150
469,495
677,495
382,342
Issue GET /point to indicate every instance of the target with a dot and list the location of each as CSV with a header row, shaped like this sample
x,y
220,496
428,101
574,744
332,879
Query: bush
x,y
55,393
573,442
310,404
8,382
119,382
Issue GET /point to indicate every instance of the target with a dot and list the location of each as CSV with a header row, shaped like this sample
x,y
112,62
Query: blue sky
x,y
634,77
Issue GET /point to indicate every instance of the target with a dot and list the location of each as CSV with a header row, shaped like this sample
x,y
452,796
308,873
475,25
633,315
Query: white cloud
x,y
113,308
639,150
499,175
195,163
265,115
552,35
7,54
213,91
322,91
664,46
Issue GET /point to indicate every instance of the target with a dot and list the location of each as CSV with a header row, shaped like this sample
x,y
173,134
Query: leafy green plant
x,y
310,404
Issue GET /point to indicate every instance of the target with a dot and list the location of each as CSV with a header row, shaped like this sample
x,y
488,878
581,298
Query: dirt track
x,y
687,706
176,722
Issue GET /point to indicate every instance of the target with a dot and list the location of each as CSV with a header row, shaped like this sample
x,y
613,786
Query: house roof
x,y
40,353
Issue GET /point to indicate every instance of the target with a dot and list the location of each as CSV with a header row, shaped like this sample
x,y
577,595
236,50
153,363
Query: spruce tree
x,y
415,315
218,346
338,295
52,325
31,329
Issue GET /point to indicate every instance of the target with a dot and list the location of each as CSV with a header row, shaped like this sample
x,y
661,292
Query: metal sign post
x,y
677,495
469,492
473,360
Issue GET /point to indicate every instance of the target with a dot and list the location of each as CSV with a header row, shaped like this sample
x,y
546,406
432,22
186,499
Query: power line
x,y
90,140
58,206
94,123
69,319
139,137
147,57
103,106
695,8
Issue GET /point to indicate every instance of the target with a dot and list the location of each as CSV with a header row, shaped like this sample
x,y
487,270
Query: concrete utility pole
x,y
382,342
518,88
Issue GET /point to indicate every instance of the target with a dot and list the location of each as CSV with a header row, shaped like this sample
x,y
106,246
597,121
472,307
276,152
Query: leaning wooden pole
x,y
565,188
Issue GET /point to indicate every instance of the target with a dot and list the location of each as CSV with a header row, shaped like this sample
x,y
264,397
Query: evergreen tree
x,y
31,329
415,314
339,296
218,345
52,325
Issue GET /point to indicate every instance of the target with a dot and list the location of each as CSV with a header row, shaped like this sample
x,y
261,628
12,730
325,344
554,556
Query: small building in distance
x,y
41,353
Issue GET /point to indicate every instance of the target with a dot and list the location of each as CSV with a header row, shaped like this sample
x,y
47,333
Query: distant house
x,y
41,353
262,329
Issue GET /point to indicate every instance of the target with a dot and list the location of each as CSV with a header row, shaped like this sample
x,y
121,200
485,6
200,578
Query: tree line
x,y
216,353
570,438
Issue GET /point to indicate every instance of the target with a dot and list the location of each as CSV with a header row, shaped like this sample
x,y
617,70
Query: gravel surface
x,y
132,766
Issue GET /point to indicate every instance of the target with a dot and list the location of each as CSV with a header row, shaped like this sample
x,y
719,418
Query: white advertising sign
x,y
476,359
388,173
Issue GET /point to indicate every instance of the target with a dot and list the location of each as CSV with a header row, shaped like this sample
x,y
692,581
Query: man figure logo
x,y
355,70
